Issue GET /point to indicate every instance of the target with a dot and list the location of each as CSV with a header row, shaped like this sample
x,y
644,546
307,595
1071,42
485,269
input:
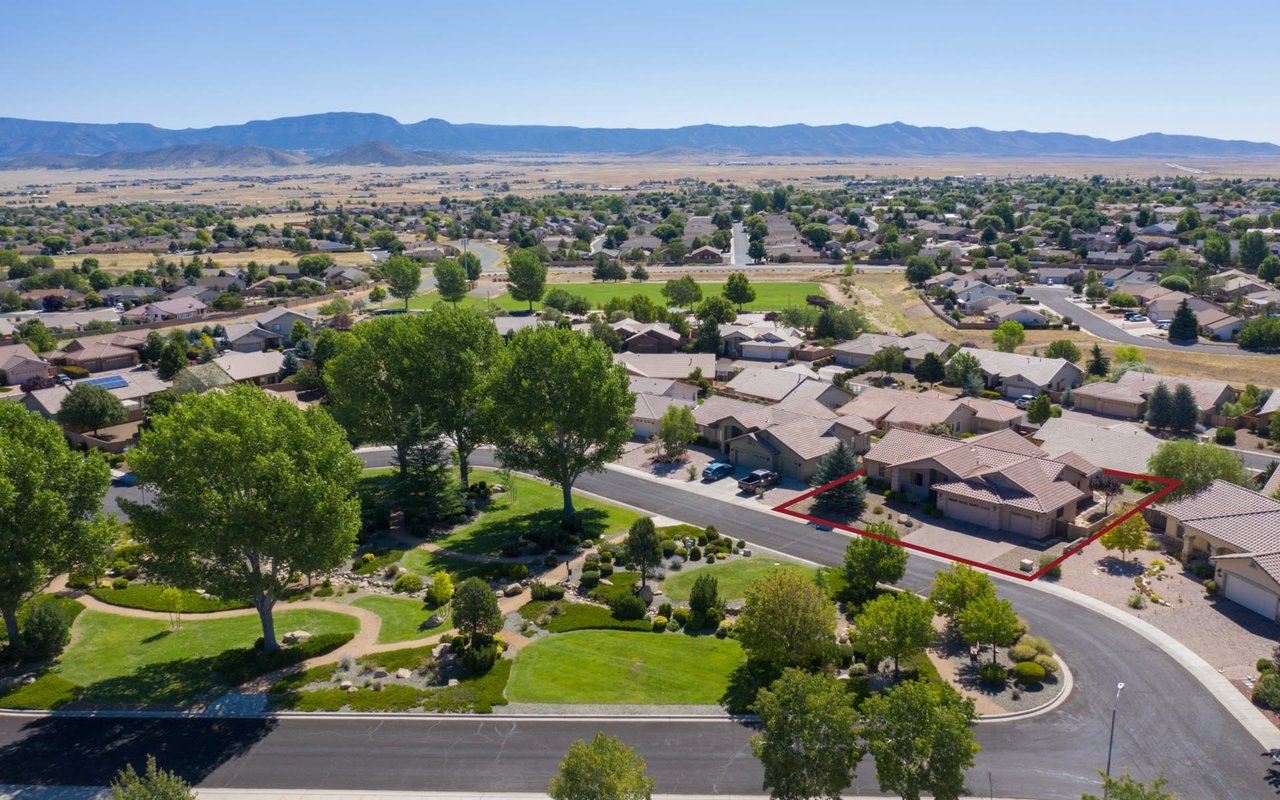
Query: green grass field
x,y
147,596
535,507
770,296
117,660
618,667
733,576
402,619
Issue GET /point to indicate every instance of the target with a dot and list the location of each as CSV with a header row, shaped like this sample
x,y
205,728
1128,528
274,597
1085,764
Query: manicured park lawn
x,y
770,296
130,661
148,596
733,577
532,508
619,667
402,619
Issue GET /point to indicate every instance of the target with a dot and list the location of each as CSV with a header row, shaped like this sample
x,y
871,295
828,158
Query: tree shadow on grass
x,y
64,751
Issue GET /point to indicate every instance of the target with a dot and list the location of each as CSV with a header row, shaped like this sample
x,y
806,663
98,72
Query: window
x,y
917,479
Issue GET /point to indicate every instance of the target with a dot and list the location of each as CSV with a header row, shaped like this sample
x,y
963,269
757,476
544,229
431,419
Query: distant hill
x,y
387,155
335,132
194,156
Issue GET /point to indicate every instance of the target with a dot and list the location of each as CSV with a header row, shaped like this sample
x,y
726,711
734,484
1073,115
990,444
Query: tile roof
x,y
1123,446
653,406
1240,517
1040,371
766,383
667,365
1207,393
248,366
1268,562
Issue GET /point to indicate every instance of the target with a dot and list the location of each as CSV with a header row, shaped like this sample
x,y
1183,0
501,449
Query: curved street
x,y
1167,723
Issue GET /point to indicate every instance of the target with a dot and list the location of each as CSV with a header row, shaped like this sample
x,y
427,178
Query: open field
x,y
125,262
615,667
354,185
770,296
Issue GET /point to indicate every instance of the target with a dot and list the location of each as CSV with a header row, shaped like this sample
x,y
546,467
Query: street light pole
x,y
1112,738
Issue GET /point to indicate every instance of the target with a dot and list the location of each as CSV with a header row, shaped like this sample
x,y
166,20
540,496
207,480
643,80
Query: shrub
x,y
857,670
722,630
1210,586
1054,571
681,616
1266,692
1151,544
659,624
120,583
664,610
590,577
682,552
695,553
628,607
1047,663
711,557
1264,665
1201,571
408,583
1023,652
606,570
542,591
1040,645
1225,436
46,630
1136,601
1028,673
668,548
479,659
672,625
993,674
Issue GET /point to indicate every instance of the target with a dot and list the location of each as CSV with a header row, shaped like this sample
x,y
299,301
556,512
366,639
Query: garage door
x,y
966,512
1020,523
749,458
1251,596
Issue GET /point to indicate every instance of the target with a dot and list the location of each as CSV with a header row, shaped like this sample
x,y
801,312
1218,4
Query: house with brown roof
x,y
774,385
1014,374
705,255
18,362
675,366
794,448
1238,530
893,408
999,481
181,308
1014,312
648,337
256,368
106,352
857,352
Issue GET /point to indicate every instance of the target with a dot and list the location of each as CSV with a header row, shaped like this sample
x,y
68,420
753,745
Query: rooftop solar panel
x,y
108,382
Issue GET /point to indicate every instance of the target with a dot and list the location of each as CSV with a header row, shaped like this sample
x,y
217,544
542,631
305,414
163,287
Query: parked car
x,y
1138,318
759,478
1024,401
716,470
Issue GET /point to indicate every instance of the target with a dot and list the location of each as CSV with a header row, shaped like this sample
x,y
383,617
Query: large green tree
x,y
643,547
896,625
1008,336
247,490
921,736
1160,407
1098,363
1253,249
676,430
809,742
475,609
1185,413
1063,348
869,561
849,497
452,357
153,784
565,408
786,620
930,370
49,495
955,588
403,276
602,769
451,280
90,406
527,276
1184,327
738,289
1196,465
1127,787
682,292
989,619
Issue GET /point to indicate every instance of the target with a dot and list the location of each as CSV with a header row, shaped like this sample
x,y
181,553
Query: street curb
x,y
1068,684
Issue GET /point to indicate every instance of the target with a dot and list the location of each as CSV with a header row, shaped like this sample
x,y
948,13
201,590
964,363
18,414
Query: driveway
x,y
1058,300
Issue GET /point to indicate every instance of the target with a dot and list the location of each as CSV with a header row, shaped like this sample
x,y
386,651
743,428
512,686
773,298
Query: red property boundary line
x,y
1169,485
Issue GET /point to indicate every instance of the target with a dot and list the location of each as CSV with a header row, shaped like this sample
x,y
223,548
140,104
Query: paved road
x,y
1167,723
1056,299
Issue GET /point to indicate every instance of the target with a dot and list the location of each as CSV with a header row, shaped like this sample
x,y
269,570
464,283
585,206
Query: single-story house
x,y
705,255
1239,531
665,387
646,420
131,386
1015,312
857,352
677,366
794,448
774,385
281,319
250,337
1014,374
256,368
892,408
18,362
1113,445
1210,395
1110,400
161,310
999,481
1059,276
101,353
648,337
760,341
976,297
345,276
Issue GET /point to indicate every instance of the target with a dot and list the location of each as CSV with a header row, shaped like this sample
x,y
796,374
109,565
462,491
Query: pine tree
x,y
849,497
1160,407
1185,411
1184,327
1098,364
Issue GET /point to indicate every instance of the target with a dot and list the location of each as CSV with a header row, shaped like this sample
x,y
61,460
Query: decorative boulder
x,y
513,589
403,674
294,637
435,620
379,673
346,685
646,594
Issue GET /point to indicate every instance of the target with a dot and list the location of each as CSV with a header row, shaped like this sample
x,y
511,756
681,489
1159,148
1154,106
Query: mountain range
x,y
375,136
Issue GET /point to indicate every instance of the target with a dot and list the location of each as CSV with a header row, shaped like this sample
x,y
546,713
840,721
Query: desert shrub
x,y
1210,586
1266,692
1225,436
627,607
994,674
542,591
1136,601
1201,571
1028,672
46,630
1040,645
659,624
1054,571
1023,652
120,583
675,565
408,583
1047,663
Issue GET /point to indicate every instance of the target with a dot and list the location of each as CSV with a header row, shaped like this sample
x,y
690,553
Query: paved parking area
x,y
959,543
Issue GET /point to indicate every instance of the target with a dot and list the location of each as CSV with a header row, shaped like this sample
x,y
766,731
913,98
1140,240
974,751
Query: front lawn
x,y
127,661
402,619
733,576
146,596
562,617
617,667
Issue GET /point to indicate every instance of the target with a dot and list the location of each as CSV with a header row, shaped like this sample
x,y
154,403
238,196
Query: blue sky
x,y
1110,69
